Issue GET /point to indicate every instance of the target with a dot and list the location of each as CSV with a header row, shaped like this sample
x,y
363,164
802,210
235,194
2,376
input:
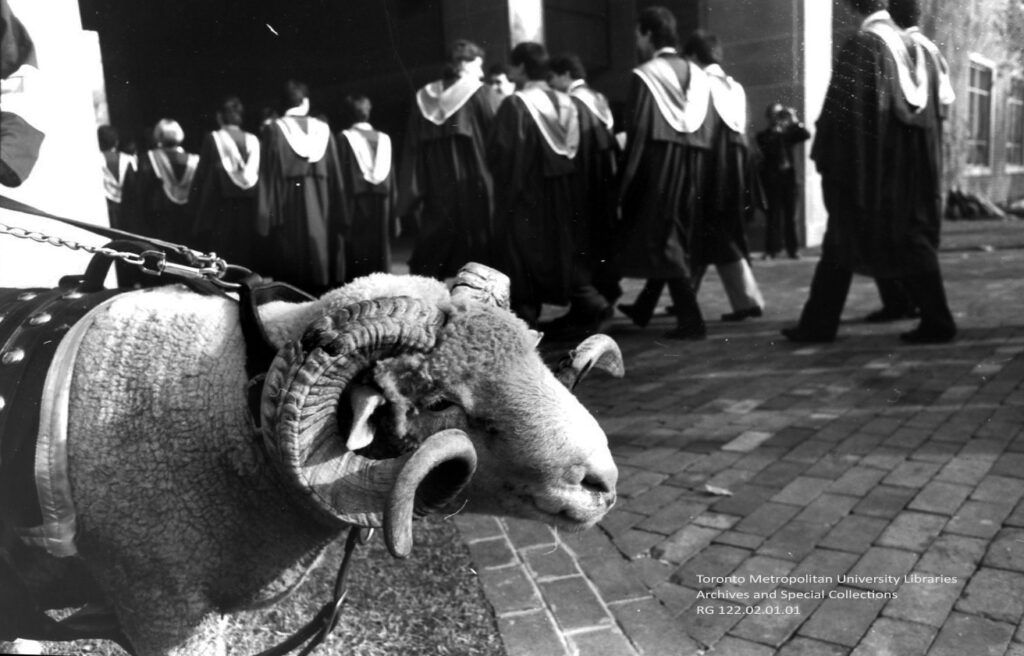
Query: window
x,y
979,97
1015,123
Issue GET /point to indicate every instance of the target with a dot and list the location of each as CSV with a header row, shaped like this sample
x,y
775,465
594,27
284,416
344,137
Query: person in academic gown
x,y
115,166
531,153
444,174
664,165
225,188
876,151
731,188
596,170
366,166
896,301
21,117
156,197
301,210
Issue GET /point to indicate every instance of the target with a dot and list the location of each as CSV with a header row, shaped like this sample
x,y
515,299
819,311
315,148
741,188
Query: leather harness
x,y
32,324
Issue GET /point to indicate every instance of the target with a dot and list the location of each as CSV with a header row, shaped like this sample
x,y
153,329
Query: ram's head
x,y
395,406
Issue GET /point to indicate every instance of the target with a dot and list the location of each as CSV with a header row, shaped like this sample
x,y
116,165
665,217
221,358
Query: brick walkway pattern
x,y
747,455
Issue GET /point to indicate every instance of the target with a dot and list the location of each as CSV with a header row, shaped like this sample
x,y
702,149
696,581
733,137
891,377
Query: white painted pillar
x,y
526,20
816,72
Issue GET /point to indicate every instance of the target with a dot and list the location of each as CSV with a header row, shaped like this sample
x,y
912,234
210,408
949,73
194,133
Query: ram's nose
x,y
600,476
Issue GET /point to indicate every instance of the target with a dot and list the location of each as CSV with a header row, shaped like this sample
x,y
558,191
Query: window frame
x,y
980,61
1016,79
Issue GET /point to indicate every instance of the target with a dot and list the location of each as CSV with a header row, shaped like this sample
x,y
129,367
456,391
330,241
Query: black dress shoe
x,y
693,333
885,315
923,335
740,315
634,314
803,336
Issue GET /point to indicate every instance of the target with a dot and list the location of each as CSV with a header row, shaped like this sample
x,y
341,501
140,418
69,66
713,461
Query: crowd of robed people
x,y
525,170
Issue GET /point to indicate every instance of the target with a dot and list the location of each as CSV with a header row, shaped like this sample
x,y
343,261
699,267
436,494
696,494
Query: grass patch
x,y
429,604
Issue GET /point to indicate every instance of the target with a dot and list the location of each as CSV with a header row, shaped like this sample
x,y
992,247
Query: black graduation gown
x,y
534,194
662,177
444,168
596,167
370,209
301,212
876,158
225,213
148,209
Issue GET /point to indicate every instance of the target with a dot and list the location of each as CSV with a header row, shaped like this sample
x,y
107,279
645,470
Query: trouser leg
x,y
587,304
789,217
895,298
929,293
647,299
687,311
824,306
740,285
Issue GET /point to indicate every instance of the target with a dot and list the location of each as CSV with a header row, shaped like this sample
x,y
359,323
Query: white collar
x,y
880,15
244,173
555,116
576,84
667,50
375,167
362,125
301,110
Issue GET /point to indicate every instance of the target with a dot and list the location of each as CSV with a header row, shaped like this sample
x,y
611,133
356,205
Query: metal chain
x,y
152,262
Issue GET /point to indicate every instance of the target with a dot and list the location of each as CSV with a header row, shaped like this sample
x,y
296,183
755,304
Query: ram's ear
x,y
365,401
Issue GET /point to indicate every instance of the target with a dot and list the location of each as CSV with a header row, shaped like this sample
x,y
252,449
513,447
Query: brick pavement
x,y
863,458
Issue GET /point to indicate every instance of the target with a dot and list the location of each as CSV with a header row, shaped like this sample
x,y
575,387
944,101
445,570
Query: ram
x,y
389,397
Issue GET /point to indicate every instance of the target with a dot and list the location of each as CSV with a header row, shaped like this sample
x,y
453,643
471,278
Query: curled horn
x,y
300,416
483,284
595,352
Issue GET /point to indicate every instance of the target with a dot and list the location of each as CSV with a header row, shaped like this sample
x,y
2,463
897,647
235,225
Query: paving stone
x,y
855,533
827,509
676,598
810,451
638,483
965,470
614,578
807,647
767,519
618,521
715,461
858,481
940,497
715,560
528,634
794,541
996,594
1016,518
935,451
831,466
774,629
999,489
493,552
730,478
509,589
742,540
925,602
652,628
1009,464
1007,551
599,642
888,636
779,474
635,544
884,501
589,544
912,531
672,517
653,500
574,603
842,621
707,621
478,527
881,562
716,520
979,519
908,437
884,457
802,491
684,544
824,563
912,474
747,441
528,533
953,555
549,561
744,501
969,634
650,572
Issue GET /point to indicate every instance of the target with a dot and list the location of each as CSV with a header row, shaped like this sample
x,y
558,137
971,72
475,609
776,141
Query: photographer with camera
x,y
778,174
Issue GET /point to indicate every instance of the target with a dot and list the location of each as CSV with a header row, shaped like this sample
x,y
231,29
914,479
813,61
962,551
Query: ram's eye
x,y
437,405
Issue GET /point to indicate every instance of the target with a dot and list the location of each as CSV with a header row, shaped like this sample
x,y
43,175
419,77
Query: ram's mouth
x,y
566,517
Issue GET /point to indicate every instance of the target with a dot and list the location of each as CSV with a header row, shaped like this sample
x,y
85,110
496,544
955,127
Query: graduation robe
x,y
224,197
20,112
115,167
365,157
717,235
155,198
301,204
876,151
596,167
668,139
444,172
531,154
